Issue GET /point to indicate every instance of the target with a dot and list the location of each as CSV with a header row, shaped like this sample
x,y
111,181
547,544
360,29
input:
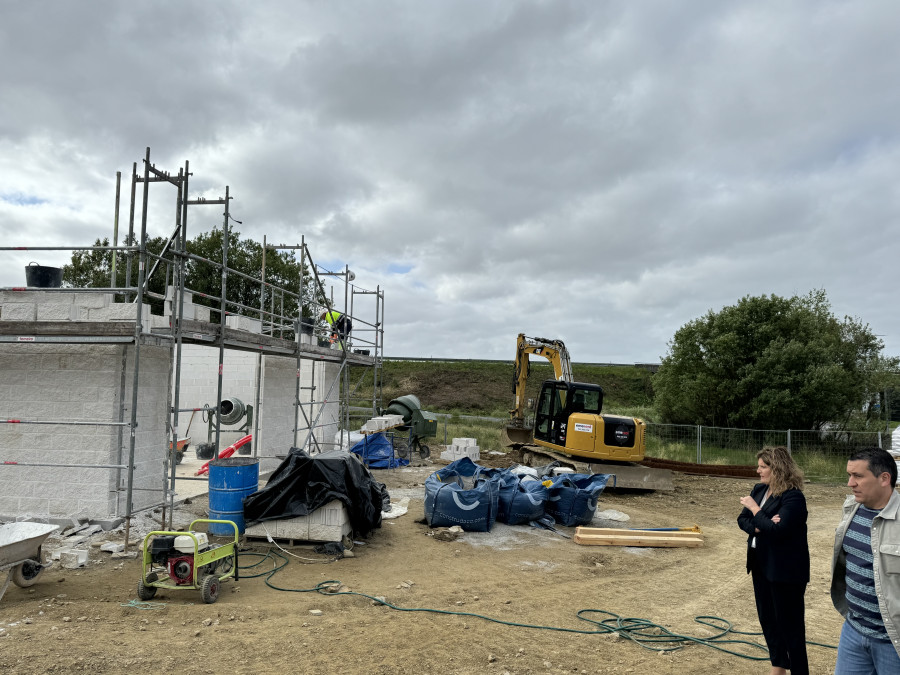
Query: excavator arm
x,y
552,350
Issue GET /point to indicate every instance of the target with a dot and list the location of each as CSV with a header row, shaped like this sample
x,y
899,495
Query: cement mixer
x,y
417,422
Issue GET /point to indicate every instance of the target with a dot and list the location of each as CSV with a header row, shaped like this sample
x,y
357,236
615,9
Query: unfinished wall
x,y
93,382
199,381
82,383
199,387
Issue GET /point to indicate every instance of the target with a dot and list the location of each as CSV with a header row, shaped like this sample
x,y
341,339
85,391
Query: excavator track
x,y
628,475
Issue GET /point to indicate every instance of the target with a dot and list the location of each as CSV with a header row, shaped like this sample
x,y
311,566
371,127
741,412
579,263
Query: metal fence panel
x,y
722,445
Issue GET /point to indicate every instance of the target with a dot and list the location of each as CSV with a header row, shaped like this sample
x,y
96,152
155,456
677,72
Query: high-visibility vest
x,y
332,317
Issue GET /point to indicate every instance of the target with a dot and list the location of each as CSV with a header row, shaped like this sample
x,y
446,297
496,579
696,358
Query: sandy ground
x,y
85,620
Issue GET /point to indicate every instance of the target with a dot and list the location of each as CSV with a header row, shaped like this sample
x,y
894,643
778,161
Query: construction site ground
x,y
86,620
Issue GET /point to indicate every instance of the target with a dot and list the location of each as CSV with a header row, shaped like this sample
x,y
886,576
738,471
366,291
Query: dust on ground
x,y
84,620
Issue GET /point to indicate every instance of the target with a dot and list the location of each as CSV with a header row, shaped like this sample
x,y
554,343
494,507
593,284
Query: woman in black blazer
x,y
774,518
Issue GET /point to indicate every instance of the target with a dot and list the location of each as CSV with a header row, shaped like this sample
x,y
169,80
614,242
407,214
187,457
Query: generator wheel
x,y
146,592
27,573
209,589
424,451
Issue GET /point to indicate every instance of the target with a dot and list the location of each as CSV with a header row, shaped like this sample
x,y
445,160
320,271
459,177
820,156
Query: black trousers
x,y
781,615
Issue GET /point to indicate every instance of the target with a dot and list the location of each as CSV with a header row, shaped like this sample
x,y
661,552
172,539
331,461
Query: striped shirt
x,y
862,602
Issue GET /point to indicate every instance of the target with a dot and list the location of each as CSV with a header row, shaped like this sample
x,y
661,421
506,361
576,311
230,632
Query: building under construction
x,y
101,387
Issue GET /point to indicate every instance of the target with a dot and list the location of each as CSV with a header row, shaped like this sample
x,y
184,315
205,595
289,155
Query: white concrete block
x,y
157,321
170,294
56,297
58,312
119,311
464,441
329,522
92,300
243,323
201,313
17,311
73,558
454,452
188,310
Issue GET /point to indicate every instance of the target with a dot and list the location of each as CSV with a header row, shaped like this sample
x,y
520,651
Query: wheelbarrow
x,y
20,552
180,448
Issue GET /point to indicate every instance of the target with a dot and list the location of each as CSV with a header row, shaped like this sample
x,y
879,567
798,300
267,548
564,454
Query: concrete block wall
x,y
277,420
199,386
49,382
199,381
278,415
93,383
62,306
150,436
321,375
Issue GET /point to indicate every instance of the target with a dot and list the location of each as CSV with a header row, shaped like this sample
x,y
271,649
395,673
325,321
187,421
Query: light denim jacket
x,y
886,564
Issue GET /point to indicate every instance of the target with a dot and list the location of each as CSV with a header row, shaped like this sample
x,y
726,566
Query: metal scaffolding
x,y
283,333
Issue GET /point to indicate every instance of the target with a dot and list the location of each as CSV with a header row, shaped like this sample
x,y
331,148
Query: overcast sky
x,y
600,172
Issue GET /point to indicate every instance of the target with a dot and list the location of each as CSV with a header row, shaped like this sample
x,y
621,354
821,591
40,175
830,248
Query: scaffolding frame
x,y
176,258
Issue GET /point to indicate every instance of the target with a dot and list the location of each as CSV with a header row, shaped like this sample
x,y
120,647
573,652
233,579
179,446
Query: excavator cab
x,y
568,419
557,402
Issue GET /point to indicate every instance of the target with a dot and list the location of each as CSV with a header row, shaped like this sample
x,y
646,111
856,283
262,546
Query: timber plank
x,y
602,536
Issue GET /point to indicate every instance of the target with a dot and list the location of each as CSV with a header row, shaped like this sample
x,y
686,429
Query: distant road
x,y
652,367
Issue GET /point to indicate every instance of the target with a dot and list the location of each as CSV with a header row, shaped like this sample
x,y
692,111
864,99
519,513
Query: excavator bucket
x,y
512,436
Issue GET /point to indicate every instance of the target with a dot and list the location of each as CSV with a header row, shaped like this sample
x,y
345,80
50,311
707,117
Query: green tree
x,y
772,363
244,255
92,269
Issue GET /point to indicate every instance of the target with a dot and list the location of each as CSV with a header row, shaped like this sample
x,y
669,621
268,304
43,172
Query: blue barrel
x,y
230,481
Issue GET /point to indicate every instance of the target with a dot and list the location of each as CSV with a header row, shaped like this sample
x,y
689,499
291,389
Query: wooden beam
x,y
606,536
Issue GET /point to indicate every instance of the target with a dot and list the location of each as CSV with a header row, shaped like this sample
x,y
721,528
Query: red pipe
x,y
227,452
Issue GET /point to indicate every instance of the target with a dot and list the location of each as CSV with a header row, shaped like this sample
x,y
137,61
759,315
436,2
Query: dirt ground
x,y
84,620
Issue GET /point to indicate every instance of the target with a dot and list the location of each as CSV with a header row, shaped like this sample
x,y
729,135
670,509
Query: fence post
x,y
790,452
879,439
699,444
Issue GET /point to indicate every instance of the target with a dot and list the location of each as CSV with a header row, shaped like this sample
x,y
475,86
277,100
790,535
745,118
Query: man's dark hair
x,y
880,461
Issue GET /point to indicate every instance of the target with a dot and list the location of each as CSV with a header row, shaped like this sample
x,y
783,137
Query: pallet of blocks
x,y
610,536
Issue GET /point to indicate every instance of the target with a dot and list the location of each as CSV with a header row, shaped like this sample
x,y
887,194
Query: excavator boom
x,y
552,350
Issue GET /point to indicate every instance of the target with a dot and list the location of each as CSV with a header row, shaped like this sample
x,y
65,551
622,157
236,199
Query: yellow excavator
x,y
569,426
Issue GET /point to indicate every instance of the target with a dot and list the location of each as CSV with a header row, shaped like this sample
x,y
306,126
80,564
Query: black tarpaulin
x,y
302,484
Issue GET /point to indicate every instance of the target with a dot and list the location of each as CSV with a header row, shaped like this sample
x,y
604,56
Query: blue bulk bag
x,y
522,501
459,494
573,497
377,452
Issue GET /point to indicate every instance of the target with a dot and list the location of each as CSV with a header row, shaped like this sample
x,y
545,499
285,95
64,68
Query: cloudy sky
x,y
600,172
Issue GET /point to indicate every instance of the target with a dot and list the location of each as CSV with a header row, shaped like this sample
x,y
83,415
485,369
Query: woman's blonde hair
x,y
785,472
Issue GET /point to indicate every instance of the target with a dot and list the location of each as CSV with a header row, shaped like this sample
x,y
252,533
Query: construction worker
x,y
340,325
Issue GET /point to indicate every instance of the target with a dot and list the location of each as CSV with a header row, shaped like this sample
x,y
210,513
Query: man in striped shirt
x,y
865,586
